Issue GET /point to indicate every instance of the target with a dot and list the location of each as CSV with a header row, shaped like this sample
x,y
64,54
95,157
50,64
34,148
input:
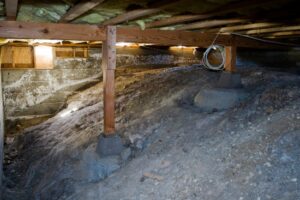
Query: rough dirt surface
x,y
175,151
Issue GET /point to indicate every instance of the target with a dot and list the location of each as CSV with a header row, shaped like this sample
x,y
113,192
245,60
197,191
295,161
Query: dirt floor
x,y
174,150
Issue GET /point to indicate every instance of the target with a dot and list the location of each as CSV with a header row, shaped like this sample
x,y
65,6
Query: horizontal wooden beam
x,y
79,9
210,23
88,45
27,30
11,7
169,38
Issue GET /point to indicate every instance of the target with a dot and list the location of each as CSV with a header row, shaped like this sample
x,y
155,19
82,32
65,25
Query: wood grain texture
x,y
230,58
108,67
170,38
29,30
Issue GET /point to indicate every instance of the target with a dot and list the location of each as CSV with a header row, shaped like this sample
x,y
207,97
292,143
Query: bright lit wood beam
x,y
284,34
248,26
79,9
272,30
210,23
11,7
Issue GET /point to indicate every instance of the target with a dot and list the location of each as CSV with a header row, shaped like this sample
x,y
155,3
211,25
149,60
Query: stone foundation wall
x,y
38,94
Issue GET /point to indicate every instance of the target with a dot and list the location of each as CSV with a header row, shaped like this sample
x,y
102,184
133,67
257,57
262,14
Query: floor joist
x,y
210,23
79,9
272,30
221,10
248,26
138,13
131,16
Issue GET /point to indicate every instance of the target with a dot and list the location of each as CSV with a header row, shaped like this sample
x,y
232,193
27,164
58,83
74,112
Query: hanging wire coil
x,y
206,62
214,47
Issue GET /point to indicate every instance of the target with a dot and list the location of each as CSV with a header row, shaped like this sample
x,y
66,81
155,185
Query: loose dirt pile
x,y
174,150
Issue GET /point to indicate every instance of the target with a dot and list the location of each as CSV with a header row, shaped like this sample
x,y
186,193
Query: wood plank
x,y
210,23
135,14
79,9
272,30
138,13
230,58
11,7
220,10
248,26
169,38
176,20
44,57
284,34
108,68
29,30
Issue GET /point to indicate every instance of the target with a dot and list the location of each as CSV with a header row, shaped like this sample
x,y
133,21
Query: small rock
x,y
153,176
125,155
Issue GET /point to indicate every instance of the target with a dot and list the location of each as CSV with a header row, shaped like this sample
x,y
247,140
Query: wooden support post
x,y
1,126
230,59
108,68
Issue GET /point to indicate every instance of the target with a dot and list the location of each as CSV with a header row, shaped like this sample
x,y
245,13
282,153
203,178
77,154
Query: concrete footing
x,y
109,145
229,80
225,94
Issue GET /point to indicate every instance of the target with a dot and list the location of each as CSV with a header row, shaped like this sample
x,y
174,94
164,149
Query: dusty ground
x,y
175,151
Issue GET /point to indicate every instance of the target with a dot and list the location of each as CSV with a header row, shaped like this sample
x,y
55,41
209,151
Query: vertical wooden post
x,y
108,68
1,125
230,59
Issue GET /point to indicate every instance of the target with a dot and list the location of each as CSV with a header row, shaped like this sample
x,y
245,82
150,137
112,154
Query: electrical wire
x,y
266,41
214,47
206,62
